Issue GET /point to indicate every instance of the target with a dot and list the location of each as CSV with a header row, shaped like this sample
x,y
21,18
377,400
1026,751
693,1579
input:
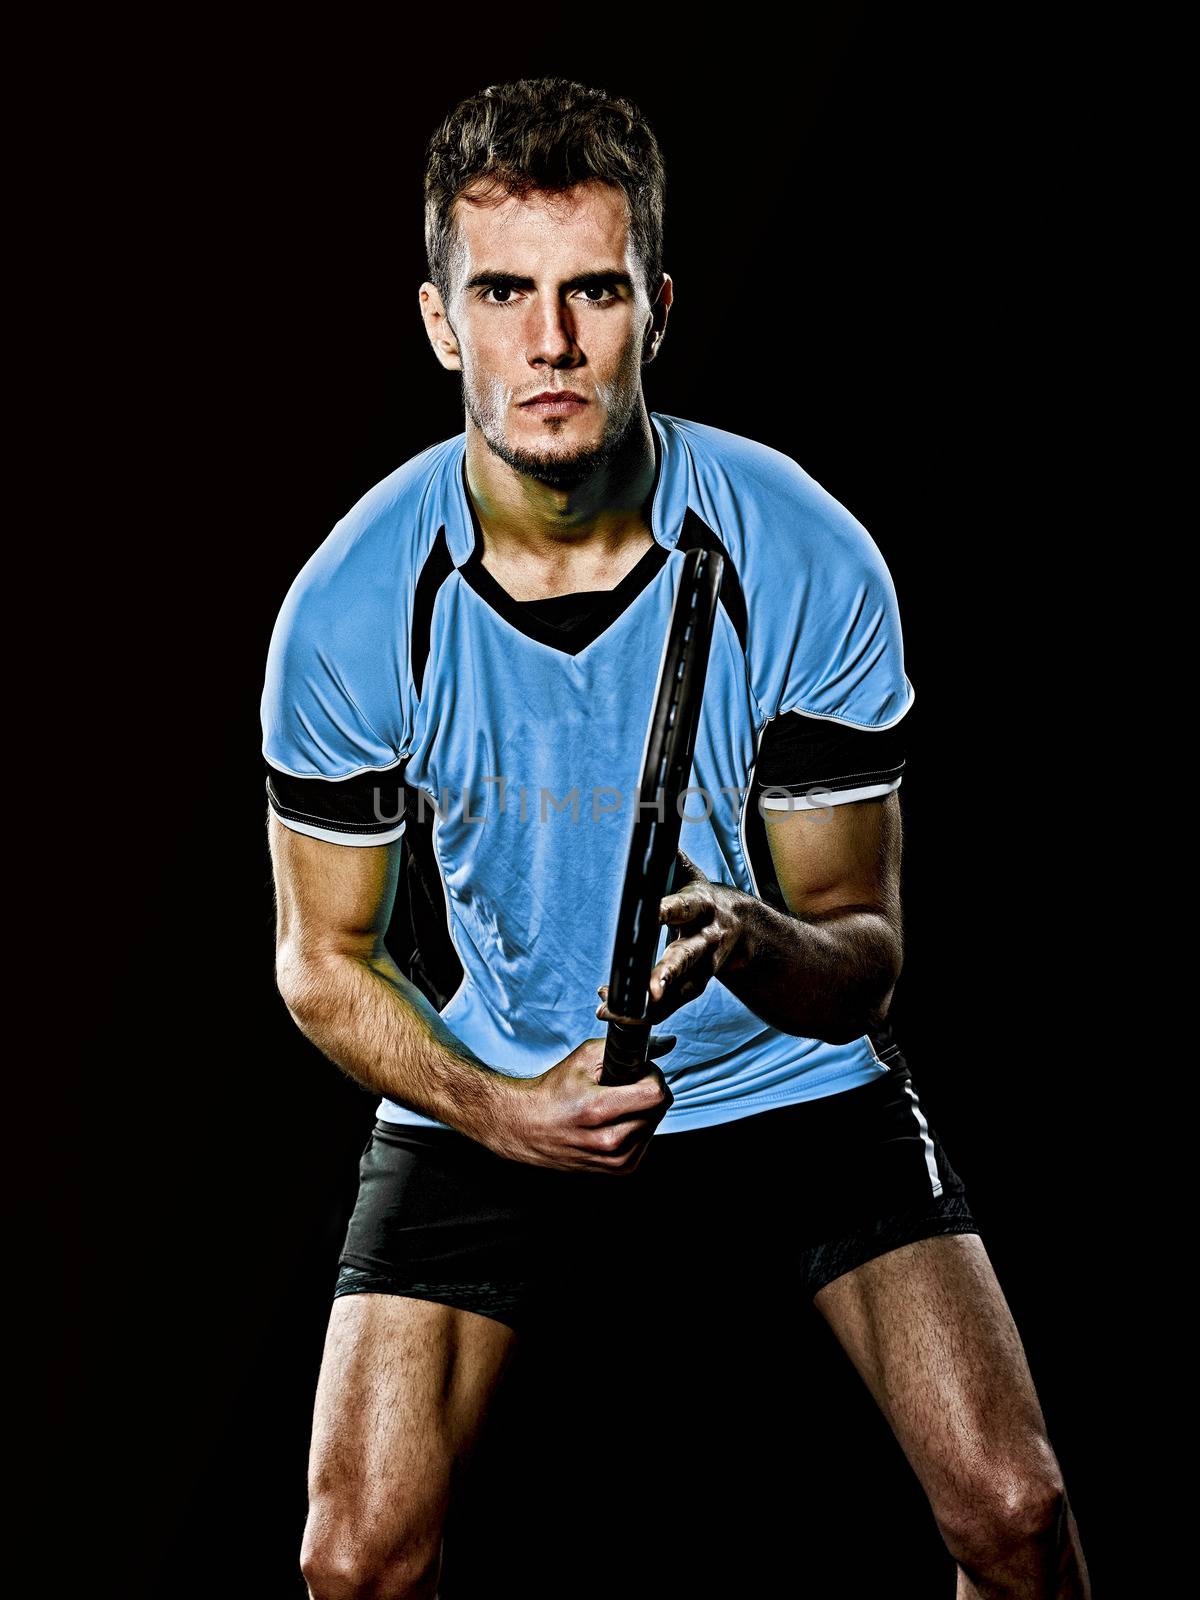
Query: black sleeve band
x,y
368,805
799,752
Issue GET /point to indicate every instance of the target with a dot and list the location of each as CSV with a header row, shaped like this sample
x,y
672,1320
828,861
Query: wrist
x,y
750,935
497,1109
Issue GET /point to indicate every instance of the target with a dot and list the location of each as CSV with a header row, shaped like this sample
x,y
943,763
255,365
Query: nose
x,y
552,335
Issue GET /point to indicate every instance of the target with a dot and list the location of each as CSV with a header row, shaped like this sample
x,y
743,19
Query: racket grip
x,y
625,1052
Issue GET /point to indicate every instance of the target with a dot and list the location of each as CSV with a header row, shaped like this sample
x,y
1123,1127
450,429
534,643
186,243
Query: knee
x,y
1005,1512
347,1568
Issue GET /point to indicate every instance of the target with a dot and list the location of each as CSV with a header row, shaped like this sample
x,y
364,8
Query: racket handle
x,y
625,1052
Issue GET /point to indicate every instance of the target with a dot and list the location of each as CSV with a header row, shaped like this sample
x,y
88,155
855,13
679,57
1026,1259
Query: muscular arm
x,y
347,995
827,970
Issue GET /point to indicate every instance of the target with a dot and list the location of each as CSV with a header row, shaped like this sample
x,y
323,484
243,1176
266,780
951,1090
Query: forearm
x,y
828,977
366,1016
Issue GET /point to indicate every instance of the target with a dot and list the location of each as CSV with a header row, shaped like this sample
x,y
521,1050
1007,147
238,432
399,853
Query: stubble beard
x,y
488,404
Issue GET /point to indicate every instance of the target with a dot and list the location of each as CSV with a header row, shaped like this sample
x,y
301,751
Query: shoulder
x,y
337,695
822,620
768,509
370,560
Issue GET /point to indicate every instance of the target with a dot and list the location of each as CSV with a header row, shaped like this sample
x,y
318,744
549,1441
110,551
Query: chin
x,y
559,457
585,426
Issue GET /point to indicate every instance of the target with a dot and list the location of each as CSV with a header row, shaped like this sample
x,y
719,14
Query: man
x,y
480,635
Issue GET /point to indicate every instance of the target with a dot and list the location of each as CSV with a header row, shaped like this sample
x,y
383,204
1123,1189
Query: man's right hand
x,y
567,1119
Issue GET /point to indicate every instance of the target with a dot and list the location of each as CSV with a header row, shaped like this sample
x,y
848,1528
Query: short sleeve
x,y
838,631
837,693
331,772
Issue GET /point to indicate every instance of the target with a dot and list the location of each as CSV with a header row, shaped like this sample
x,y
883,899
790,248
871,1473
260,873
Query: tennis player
x,y
455,709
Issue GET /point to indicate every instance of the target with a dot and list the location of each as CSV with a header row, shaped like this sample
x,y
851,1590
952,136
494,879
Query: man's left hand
x,y
712,923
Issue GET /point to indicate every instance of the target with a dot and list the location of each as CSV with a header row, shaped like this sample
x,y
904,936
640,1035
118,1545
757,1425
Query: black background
x,y
877,230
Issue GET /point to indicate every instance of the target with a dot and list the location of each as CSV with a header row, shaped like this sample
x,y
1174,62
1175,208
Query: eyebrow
x,y
487,279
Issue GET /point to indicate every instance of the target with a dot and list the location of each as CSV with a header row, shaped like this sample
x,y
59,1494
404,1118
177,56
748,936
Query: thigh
x,y
435,1273
404,1388
439,1217
930,1332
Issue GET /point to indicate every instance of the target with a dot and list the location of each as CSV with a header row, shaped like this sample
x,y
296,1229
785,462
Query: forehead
x,y
563,232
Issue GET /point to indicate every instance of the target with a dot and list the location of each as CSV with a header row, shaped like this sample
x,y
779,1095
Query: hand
x,y
712,924
567,1119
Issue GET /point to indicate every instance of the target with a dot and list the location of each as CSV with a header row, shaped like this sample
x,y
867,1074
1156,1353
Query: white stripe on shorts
x,y
930,1159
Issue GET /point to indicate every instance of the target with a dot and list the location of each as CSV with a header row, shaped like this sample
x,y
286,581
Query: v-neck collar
x,y
614,602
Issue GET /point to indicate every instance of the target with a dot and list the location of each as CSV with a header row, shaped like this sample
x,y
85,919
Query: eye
x,y
605,292
498,289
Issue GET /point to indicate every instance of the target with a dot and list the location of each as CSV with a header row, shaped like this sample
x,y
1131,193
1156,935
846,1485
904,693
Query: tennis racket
x,y
666,767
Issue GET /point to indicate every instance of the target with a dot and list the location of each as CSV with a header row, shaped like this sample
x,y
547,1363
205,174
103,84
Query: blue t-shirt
x,y
410,698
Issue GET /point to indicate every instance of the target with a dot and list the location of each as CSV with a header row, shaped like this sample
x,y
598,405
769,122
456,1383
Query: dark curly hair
x,y
544,133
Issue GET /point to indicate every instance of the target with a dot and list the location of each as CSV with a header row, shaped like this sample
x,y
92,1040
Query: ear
x,y
437,327
657,325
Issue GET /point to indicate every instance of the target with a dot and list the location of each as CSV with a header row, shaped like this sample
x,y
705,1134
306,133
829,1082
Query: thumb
x,y
686,870
661,1044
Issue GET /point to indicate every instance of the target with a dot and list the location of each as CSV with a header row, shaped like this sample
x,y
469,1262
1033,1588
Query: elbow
x,y
289,982
316,980
863,1006
850,1024
301,980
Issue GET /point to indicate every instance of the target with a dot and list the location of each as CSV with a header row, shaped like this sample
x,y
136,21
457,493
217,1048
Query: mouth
x,y
555,403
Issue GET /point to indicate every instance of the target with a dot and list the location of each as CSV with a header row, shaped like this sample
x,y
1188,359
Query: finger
x,y
661,1044
640,1099
683,907
685,866
605,1015
634,1134
658,1010
687,898
680,959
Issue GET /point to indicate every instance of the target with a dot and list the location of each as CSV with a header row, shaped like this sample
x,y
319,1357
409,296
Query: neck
x,y
548,530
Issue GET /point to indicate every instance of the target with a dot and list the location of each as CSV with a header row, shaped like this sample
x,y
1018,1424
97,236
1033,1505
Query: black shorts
x,y
792,1197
